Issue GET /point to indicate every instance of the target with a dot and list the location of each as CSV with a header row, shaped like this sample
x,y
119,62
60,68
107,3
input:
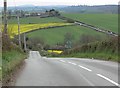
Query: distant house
x,y
44,16
27,15
39,14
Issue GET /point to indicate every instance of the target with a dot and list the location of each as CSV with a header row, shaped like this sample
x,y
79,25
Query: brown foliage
x,y
112,45
6,43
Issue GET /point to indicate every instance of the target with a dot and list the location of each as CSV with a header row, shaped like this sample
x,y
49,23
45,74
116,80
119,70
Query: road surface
x,y
42,71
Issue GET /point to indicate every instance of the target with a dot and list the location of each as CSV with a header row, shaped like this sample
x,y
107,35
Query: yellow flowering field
x,y
55,51
13,28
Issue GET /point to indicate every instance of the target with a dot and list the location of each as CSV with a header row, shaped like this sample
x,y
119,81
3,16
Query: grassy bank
x,y
105,50
0,66
0,75
11,60
100,56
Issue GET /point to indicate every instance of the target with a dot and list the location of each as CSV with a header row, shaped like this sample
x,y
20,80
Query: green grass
x,y
0,75
105,50
0,66
11,60
101,56
35,20
106,21
56,35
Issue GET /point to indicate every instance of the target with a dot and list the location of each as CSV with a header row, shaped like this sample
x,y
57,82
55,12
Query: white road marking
x,y
74,63
62,60
69,62
108,80
44,57
84,68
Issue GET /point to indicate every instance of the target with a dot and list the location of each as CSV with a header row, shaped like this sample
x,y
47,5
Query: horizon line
x,y
61,5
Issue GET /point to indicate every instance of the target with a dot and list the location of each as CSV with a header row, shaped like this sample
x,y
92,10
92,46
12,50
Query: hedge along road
x,y
43,71
108,32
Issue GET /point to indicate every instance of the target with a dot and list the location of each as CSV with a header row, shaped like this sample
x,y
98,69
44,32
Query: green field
x,y
35,20
56,35
106,21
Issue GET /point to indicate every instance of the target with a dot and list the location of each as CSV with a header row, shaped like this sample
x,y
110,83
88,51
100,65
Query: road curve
x,y
42,71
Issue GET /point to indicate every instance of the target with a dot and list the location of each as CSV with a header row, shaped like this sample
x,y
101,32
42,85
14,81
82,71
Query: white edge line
x,y
108,80
84,68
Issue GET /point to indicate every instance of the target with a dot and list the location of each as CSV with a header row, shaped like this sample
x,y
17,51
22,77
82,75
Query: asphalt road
x,y
42,71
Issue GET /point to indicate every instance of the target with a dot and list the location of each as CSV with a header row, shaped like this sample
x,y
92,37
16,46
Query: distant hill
x,y
112,9
36,8
91,9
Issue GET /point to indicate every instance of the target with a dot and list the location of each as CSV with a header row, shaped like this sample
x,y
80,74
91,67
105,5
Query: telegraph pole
x,y
5,17
5,36
25,42
19,37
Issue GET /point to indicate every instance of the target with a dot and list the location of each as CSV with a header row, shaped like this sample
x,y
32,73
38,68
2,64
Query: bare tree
x,y
84,39
36,43
68,40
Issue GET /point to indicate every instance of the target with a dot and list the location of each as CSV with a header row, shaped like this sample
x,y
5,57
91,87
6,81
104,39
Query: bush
x,y
103,49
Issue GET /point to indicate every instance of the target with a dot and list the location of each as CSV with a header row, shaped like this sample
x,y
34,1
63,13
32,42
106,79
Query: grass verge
x,y
0,66
10,61
104,50
0,75
99,56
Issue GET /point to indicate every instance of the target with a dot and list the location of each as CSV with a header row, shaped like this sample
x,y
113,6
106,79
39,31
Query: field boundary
x,y
108,32
49,28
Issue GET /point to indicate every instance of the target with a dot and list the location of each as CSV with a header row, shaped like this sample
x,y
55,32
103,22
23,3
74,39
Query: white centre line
x,y
73,63
69,62
62,60
84,68
108,80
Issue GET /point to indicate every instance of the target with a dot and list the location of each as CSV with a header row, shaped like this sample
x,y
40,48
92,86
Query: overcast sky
x,y
59,2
